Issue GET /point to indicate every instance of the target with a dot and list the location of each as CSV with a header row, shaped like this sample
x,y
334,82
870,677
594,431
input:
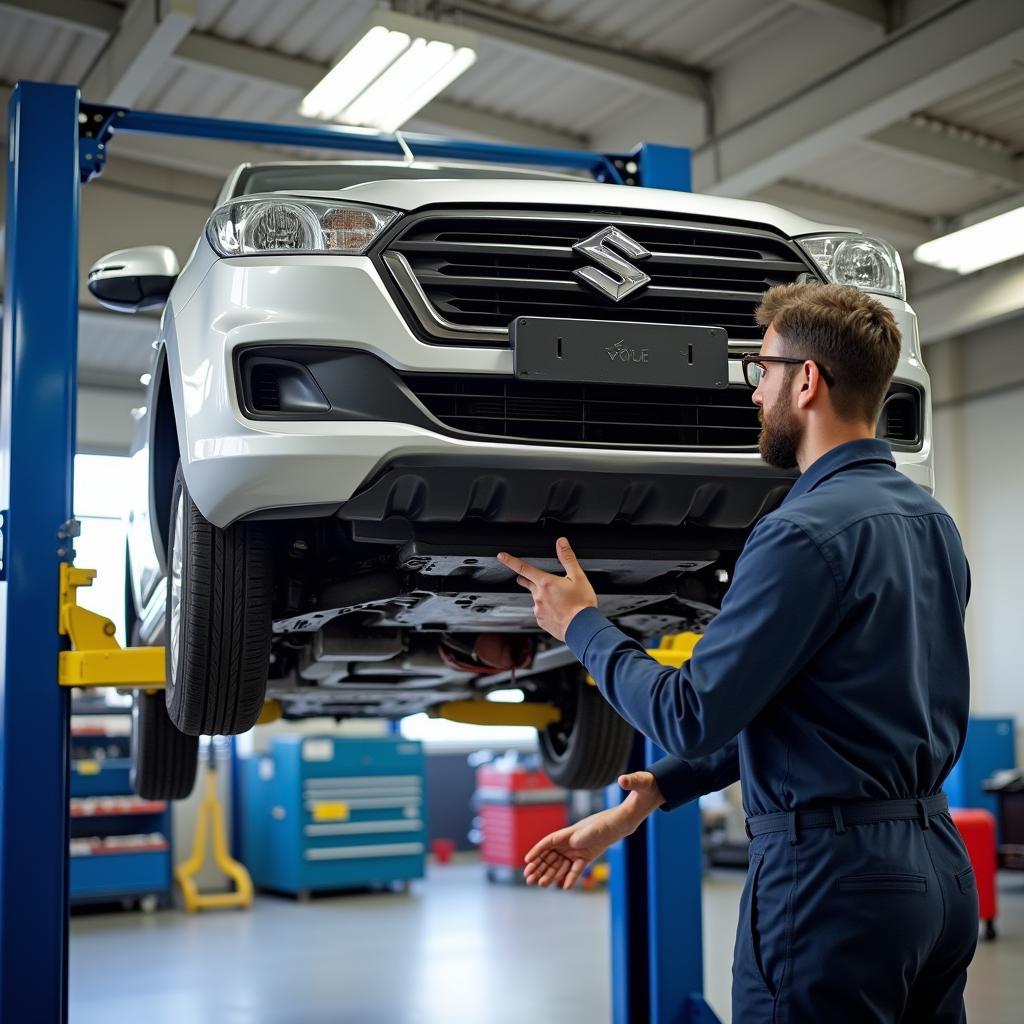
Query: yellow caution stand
x,y
211,819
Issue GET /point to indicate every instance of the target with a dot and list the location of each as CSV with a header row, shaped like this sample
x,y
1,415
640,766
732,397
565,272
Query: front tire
x,y
163,758
590,747
218,620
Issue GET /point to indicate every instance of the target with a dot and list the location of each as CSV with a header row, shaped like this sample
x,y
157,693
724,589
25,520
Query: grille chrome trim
x,y
424,309
446,262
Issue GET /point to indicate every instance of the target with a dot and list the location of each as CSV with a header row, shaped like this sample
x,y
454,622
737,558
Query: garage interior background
x,y
862,112
903,118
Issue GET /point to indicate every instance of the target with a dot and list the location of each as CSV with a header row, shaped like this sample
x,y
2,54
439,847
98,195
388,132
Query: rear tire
x,y
590,747
163,759
218,620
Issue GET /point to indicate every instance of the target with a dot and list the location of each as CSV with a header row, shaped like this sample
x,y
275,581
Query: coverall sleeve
x,y
782,605
682,781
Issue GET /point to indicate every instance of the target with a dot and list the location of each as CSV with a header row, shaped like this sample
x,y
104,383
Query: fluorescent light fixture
x,y
980,245
397,66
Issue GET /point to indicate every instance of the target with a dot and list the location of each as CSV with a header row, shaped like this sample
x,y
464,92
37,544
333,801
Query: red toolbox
x,y
978,830
517,809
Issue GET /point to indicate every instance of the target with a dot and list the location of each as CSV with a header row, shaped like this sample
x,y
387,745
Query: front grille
x,y
466,274
633,416
600,414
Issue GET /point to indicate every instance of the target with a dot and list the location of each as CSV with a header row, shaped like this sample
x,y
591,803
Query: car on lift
x,y
370,377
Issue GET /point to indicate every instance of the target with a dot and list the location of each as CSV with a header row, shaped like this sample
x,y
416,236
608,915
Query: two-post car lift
x,y
56,143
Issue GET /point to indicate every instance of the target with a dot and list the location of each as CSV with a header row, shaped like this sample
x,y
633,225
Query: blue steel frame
x,y
56,143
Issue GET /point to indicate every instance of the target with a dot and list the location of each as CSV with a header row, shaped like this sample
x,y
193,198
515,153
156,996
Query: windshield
x,y
324,175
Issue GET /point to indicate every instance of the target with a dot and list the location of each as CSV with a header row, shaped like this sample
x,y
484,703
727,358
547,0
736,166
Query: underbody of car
x,y
337,442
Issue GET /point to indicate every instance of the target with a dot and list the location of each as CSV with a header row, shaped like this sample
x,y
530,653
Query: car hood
x,y
409,195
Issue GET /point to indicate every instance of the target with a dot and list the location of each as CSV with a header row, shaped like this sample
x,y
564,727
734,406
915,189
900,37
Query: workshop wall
x,y
978,383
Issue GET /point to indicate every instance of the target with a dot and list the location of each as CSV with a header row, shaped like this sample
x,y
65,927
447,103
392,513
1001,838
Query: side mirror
x,y
132,279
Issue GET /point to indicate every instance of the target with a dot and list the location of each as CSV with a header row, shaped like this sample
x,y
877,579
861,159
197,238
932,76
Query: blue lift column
x,y
37,446
656,874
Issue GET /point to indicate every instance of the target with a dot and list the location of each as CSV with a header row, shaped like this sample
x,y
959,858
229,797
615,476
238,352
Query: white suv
x,y
370,377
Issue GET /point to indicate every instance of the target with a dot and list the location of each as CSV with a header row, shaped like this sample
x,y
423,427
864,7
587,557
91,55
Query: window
x,y
101,496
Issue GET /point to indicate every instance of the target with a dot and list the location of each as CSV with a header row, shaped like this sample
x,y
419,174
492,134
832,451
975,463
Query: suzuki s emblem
x,y
624,278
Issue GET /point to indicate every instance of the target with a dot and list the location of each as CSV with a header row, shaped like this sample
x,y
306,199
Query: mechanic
x,y
833,683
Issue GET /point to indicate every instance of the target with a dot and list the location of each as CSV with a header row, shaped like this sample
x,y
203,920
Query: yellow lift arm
x,y
96,658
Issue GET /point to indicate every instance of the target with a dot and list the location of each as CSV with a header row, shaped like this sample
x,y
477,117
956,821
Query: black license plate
x,y
606,352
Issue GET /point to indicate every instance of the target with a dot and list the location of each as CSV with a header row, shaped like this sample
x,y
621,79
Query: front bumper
x,y
237,467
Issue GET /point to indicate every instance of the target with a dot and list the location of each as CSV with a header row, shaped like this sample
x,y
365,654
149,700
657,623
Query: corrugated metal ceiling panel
x,y
42,51
994,107
894,181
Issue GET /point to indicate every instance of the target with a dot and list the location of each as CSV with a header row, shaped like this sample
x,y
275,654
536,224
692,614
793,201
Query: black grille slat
x,y
481,269
569,286
564,253
607,414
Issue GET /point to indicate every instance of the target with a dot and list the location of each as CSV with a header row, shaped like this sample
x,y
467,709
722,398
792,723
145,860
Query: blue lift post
x,y
55,142
37,446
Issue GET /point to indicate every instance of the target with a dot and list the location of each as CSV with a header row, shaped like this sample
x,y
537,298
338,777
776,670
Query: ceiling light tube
x,y
981,245
397,65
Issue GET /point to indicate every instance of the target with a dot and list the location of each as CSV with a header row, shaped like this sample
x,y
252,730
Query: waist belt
x,y
839,815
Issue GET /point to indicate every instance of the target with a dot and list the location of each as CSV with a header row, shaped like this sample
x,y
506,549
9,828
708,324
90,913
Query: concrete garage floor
x,y
456,950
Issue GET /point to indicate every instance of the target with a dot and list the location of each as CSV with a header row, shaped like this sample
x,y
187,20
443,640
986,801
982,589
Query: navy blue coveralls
x,y
834,677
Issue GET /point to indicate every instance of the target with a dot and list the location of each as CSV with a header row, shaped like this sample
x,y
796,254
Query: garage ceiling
x,y
904,117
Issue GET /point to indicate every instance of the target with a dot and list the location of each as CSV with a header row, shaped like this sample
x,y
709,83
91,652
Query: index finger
x,y
531,572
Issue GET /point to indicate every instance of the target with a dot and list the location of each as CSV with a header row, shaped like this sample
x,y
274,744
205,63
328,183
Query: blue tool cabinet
x,y
120,844
322,813
989,747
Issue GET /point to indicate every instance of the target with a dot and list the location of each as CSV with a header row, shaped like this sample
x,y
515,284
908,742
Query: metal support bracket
x,y
95,126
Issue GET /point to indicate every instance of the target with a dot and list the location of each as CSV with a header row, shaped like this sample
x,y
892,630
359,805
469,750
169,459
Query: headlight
x,y
867,263
279,224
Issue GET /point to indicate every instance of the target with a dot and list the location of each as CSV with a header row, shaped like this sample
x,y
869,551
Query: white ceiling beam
x,y
942,149
894,226
971,302
534,36
135,53
924,63
873,13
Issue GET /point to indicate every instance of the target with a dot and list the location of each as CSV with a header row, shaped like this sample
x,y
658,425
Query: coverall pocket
x,y
966,881
883,883
753,936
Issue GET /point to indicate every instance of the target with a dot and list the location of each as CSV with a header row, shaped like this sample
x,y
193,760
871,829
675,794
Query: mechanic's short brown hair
x,y
847,331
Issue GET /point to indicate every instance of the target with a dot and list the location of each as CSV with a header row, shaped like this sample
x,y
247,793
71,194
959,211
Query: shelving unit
x,y
120,844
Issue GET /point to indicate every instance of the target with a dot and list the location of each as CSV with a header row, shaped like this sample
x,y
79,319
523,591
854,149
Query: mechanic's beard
x,y
780,434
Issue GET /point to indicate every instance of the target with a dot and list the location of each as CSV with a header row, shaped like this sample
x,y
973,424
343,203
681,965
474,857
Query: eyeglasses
x,y
753,368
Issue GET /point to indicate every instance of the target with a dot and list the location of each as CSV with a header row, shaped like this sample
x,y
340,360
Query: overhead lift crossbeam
x,y
56,143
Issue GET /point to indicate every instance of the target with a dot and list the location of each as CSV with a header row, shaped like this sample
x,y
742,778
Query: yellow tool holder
x,y
210,820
